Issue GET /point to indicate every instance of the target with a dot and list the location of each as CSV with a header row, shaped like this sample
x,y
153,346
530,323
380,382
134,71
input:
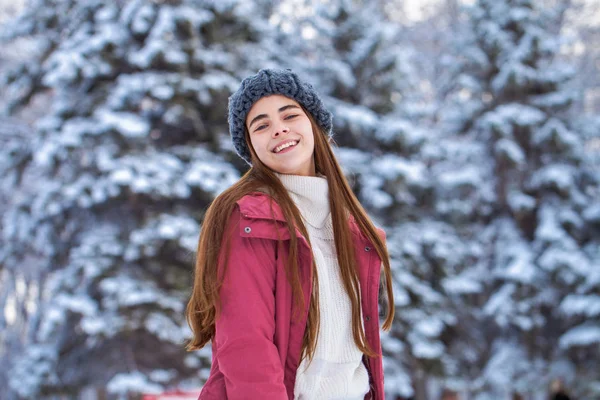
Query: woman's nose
x,y
281,129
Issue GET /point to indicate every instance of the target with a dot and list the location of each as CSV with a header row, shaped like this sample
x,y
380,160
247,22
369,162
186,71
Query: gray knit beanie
x,y
267,82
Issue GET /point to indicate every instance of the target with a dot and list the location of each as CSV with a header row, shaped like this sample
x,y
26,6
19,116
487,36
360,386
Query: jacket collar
x,y
257,205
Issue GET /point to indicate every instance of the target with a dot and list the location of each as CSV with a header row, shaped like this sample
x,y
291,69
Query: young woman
x,y
289,265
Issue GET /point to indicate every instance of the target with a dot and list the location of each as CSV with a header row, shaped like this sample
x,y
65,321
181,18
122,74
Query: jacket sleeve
x,y
244,331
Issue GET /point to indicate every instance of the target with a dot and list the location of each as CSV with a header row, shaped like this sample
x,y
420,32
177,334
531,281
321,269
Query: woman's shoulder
x,y
381,233
259,204
354,224
257,199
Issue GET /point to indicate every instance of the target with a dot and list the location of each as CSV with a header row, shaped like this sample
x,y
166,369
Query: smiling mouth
x,y
285,146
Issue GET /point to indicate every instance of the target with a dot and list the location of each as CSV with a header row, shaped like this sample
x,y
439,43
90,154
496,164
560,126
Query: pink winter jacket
x,y
256,348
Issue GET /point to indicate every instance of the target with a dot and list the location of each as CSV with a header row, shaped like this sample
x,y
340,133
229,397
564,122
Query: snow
x,y
54,317
554,100
63,68
461,285
122,176
123,291
587,305
373,196
165,328
127,124
39,363
522,268
76,304
501,119
401,297
210,177
509,150
582,335
96,325
468,177
392,167
555,131
513,74
509,367
520,202
427,350
162,92
431,327
142,21
397,379
499,304
548,229
554,258
134,381
359,120
161,375
352,160
592,213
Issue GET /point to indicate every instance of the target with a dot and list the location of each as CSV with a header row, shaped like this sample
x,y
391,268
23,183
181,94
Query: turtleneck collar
x,y
311,196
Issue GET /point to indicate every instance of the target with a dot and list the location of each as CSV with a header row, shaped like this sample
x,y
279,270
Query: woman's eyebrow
x,y
263,116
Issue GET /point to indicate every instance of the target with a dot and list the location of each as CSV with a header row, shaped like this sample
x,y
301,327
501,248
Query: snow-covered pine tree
x,y
541,279
104,218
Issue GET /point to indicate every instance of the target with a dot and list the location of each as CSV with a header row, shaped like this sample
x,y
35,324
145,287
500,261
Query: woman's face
x,y
282,136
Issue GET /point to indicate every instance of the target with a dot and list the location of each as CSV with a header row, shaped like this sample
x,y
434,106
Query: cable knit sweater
x,y
337,371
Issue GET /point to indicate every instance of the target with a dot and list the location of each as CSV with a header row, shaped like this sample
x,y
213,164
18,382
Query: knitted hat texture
x,y
265,83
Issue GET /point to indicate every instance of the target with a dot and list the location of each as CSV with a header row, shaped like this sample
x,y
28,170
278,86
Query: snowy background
x,y
469,129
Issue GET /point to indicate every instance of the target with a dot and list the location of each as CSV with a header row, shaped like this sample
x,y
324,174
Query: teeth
x,y
283,146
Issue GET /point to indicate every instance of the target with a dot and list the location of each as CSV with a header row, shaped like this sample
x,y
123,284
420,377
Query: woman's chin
x,y
291,166
299,170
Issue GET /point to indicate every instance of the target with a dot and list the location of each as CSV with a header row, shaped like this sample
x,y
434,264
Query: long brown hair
x,y
203,306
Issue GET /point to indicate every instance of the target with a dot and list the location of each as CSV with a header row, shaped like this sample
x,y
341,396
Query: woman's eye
x,y
260,127
291,116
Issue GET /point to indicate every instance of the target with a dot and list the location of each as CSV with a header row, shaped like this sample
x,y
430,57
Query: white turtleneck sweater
x,y
337,371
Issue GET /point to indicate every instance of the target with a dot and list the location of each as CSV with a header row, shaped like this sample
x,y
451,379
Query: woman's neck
x,y
311,196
